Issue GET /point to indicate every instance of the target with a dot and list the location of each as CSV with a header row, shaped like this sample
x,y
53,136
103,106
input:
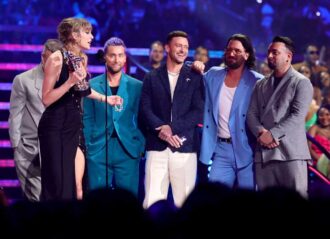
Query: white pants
x,y
165,167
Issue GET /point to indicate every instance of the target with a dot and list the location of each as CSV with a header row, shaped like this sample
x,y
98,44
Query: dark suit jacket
x,y
187,107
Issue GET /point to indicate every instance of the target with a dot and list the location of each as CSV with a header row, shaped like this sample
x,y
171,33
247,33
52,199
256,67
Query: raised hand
x,y
75,77
198,66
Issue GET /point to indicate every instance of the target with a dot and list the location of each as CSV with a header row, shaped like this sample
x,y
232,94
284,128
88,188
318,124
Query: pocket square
x,y
188,79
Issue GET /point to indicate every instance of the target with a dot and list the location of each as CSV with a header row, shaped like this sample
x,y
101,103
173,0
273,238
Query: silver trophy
x,y
183,139
119,107
74,62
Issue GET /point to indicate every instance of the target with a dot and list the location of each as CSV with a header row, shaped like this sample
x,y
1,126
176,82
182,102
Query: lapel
x,y
240,92
103,83
183,80
105,89
38,77
164,79
123,93
275,94
215,87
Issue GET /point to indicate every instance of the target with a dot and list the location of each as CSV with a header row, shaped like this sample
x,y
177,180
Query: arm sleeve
x,y
253,114
149,119
195,115
16,110
298,110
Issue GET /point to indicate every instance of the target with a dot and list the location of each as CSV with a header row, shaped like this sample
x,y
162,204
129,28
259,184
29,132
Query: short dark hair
x,y
287,42
247,44
113,41
198,49
156,43
173,34
53,45
310,45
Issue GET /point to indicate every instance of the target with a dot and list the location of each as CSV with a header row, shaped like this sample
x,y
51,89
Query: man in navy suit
x,y
171,107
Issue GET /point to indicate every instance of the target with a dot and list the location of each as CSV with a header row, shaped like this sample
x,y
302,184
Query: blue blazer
x,y
125,121
214,79
156,107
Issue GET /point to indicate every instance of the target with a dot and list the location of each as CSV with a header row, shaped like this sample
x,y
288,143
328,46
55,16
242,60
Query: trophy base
x,y
83,93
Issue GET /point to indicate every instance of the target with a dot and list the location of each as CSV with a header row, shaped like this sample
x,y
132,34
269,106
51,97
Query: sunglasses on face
x,y
313,52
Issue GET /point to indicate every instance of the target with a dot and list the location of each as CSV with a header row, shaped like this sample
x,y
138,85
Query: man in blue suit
x,y
225,140
171,107
126,142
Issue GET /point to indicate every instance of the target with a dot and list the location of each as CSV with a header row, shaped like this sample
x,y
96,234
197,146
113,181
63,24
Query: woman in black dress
x,y
60,128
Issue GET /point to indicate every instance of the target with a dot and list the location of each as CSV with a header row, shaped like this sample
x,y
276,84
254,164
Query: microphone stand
x,y
106,130
100,57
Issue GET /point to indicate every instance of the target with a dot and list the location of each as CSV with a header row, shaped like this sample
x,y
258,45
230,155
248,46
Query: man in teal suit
x,y
125,140
225,140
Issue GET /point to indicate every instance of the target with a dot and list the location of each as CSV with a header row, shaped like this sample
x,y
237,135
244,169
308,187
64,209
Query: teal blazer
x,y
125,121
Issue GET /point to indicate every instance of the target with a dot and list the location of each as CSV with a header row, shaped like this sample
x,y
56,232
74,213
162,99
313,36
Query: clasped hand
x,y
267,140
76,76
165,133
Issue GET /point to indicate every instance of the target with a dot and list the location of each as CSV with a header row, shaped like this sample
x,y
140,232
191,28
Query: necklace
x,y
173,73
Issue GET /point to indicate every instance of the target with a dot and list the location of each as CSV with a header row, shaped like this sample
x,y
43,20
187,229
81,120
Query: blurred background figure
x,y
86,12
311,60
321,133
264,69
156,55
202,54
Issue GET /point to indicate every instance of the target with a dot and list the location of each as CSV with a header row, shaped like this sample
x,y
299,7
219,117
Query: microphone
x,y
100,56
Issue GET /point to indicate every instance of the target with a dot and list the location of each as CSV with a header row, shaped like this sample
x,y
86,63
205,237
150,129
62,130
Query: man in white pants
x,y
171,107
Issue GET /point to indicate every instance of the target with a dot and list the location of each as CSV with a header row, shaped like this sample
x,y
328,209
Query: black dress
x,y
60,134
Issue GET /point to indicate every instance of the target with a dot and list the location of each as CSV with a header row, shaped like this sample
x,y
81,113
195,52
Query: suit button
x,y
243,115
263,107
262,123
275,122
242,130
208,110
207,126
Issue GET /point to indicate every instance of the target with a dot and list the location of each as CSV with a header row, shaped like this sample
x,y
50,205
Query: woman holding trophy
x,y
60,128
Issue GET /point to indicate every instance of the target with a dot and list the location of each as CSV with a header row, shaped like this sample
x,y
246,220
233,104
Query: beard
x,y
271,65
113,71
234,64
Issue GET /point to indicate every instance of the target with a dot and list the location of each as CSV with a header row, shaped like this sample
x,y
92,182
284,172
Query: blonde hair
x,y
69,25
